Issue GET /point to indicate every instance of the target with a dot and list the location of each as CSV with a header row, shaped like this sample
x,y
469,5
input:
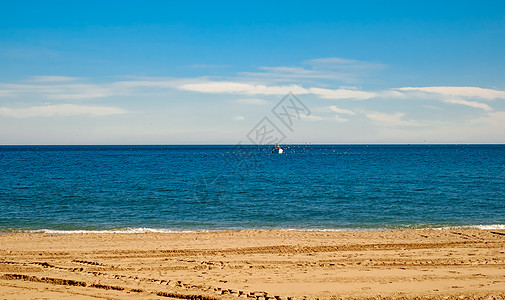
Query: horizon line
x,y
239,144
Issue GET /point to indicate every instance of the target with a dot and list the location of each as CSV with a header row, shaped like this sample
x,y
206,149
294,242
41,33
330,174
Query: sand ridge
x,y
255,264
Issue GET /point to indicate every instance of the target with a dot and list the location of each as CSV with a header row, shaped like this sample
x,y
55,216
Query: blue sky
x,y
165,72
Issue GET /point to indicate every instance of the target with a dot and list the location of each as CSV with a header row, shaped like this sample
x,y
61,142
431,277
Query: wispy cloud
x,y
53,78
469,103
338,63
242,88
311,117
207,66
494,121
463,91
73,88
149,83
60,110
66,88
5,93
251,101
340,119
342,111
321,69
258,89
284,73
82,91
61,91
395,119
238,118
342,93
455,95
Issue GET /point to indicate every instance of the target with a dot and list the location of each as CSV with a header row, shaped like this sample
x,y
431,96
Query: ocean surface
x,y
313,187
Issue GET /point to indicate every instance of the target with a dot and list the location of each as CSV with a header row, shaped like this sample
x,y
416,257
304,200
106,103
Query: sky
x,y
258,72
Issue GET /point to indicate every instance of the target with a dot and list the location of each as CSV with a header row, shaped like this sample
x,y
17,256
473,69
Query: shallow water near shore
x,y
308,187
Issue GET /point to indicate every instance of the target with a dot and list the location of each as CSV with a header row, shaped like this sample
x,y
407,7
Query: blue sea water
x,y
69,188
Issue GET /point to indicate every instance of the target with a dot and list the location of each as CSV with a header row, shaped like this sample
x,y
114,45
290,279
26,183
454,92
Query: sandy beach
x,y
445,264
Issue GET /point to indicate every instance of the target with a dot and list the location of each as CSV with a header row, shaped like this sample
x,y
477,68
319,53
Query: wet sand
x,y
445,264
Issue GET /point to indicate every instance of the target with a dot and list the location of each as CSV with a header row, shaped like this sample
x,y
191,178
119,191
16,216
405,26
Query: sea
x,y
64,189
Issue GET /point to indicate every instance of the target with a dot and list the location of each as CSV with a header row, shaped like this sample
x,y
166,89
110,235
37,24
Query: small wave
x,y
497,226
481,227
161,230
119,230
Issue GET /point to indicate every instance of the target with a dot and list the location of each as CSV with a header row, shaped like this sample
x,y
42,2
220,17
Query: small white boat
x,y
277,149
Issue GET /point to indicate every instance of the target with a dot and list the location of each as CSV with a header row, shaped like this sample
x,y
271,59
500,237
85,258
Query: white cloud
x,y
395,119
4,93
332,60
60,110
332,68
293,71
207,66
61,91
81,91
341,110
257,89
469,103
53,78
340,119
283,73
455,91
432,107
57,88
343,64
494,122
150,82
342,93
238,118
311,117
487,128
251,101
242,88
392,93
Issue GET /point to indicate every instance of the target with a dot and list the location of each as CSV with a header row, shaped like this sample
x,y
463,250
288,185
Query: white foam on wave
x,y
413,227
496,226
122,230
160,230
483,227
327,229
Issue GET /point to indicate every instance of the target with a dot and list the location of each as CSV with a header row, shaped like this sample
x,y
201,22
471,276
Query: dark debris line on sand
x,y
60,281
498,233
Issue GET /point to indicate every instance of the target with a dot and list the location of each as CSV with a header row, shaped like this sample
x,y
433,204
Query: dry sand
x,y
255,264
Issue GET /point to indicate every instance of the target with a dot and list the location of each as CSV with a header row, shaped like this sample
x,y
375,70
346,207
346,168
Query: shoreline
x,y
255,264
8,231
